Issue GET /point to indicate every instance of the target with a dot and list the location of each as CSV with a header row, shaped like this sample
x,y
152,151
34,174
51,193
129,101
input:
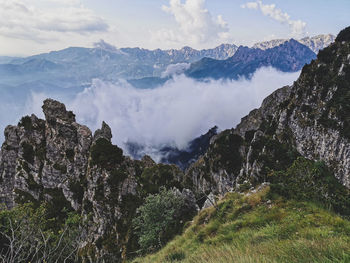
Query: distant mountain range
x,y
315,43
289,56
74,68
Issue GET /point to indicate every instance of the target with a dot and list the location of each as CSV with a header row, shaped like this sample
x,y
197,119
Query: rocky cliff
x,y
309,118
60,162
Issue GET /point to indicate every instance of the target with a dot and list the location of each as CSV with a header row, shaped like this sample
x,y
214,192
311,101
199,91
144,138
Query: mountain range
x,y
315,43
75,66
282,174
289,56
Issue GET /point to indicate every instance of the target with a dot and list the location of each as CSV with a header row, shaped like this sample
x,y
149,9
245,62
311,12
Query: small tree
x,y
158,220
26,235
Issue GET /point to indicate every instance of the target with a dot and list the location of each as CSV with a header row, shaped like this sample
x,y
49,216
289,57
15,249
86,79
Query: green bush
x,y
225,152
306,180
153,178
105,154
26,122
158,220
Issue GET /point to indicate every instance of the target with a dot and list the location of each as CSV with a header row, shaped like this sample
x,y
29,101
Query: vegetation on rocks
x,y
158,220
30,234
105,154
251,227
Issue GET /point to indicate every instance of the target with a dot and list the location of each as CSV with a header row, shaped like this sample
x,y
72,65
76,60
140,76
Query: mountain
x,y
6,59
290,56
283,177
315,43
76,67
129,63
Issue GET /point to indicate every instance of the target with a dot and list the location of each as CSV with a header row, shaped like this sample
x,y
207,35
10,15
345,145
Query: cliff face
x,y
59,161
309,118
39,155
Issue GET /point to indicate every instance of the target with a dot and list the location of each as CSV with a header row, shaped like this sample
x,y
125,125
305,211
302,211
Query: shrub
x,y
105,154
26,235
158,220
306,180
26,122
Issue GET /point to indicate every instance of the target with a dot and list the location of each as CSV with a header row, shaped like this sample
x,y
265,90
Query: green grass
x,y
249,228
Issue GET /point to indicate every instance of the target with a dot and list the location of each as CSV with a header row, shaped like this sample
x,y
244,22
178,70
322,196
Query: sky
x,y
30,27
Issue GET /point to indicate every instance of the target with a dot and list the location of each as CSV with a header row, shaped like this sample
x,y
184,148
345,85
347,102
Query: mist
x,y
172,114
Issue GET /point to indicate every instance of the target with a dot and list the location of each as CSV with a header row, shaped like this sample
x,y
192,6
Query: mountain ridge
x,y
290,56
301,131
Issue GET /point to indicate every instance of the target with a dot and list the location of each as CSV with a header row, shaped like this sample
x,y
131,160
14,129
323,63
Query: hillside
x,y
250,227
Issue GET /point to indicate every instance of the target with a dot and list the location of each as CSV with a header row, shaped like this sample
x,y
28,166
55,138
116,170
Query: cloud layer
x,y
297,27
172,114
178,111
196,26
40,20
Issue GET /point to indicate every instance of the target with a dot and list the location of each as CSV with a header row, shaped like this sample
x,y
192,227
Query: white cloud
x,y
297,27
41,22
175,69
178,111
174,113
196,26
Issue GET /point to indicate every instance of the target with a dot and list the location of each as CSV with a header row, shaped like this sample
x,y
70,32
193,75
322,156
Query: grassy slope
x,y
250,228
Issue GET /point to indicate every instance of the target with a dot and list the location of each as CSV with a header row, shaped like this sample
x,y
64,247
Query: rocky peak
x,y
54,110
105,132
308,119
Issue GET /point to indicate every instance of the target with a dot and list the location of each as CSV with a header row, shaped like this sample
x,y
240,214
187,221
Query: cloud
x,y
41,21
172,114
196,26
297,27
177,112
175,69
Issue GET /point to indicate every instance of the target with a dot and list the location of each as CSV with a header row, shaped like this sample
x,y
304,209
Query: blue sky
x,y
34,26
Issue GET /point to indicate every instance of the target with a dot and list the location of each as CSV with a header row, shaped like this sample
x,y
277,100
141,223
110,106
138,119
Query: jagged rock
x,y
105,132
309,118
54,110
210,201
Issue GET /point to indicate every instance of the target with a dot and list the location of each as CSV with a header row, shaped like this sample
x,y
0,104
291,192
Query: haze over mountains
x,y
67,75
111,63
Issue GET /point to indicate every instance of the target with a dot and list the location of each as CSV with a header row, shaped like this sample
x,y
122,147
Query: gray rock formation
x,y
309,118
59,161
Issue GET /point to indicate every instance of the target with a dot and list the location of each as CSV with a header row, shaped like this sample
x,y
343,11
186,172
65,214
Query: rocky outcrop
x,y
38,156
60,162
309,118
